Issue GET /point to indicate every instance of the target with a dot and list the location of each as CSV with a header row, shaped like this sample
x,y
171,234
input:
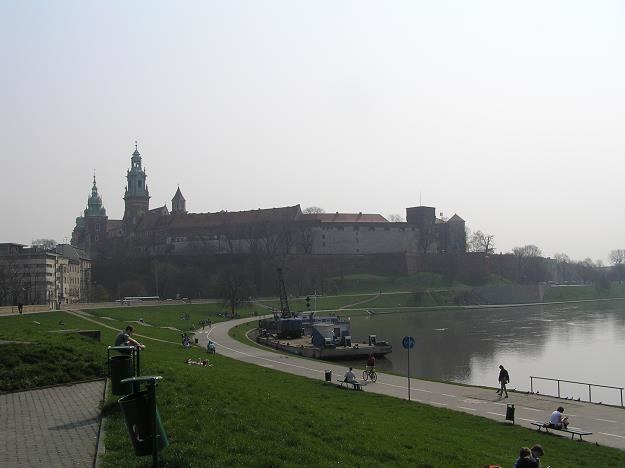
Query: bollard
x,y
510,413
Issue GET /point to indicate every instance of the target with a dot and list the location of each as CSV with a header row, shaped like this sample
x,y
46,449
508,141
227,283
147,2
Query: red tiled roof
x,y
345,218
224,218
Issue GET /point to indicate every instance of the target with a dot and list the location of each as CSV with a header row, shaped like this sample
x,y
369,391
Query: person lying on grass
x,y
198,362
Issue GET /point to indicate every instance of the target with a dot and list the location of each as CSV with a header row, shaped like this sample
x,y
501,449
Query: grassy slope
x,y
237,414
46,358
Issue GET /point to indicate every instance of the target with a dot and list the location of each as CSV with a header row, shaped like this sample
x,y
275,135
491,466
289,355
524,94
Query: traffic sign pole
x,y
408,344
408,374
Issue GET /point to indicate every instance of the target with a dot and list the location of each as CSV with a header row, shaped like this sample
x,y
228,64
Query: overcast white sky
x,y
511,114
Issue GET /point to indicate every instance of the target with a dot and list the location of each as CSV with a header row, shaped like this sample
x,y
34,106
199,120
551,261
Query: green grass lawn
x,y
44,357
237,414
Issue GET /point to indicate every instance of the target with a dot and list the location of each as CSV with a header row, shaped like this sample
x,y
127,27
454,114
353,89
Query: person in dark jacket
x,y
504,378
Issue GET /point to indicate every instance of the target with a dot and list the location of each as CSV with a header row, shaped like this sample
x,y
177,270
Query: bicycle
x,y
369,374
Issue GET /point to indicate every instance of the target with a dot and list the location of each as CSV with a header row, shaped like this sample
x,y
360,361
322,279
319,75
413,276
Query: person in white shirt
x,y
350,376
558,420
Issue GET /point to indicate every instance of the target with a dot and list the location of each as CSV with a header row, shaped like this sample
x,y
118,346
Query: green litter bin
x,y
510,413
137,411
121,368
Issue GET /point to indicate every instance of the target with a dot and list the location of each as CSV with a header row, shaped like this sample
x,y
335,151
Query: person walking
x,y
504,378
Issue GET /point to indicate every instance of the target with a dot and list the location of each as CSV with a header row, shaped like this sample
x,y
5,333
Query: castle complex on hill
x,y
274,231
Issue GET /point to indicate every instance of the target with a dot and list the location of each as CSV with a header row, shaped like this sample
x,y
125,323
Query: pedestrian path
x,y
53,427
607,423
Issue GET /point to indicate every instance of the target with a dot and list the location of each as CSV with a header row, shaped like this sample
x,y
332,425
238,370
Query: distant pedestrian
x,y
504,378
20,307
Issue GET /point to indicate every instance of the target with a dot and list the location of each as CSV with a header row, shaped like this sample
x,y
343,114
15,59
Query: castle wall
x,y
364,239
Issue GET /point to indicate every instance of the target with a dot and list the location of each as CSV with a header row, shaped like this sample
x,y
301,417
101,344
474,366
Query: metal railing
x,y
590,385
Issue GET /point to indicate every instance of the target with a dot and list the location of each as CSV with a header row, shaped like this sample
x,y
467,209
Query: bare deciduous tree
x,y
313,210
617,257
235,285
46,244
395,218
527,251
480,242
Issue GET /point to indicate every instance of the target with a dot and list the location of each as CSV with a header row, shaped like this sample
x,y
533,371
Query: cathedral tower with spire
x,y
90,230
136,197
178,203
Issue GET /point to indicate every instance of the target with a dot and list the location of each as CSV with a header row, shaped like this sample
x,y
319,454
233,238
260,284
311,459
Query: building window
x,y
386,228
324,244
97,237
371,228
340,228
356,228
97,227
323,236
139,183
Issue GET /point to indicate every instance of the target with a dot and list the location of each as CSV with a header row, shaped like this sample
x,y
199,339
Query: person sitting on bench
x,y
557,419
350,377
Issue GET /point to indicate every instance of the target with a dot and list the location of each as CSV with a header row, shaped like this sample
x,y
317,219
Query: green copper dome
x,y
94,203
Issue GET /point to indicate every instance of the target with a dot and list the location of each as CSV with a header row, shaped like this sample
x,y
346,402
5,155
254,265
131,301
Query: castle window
x,y
97,227
139,183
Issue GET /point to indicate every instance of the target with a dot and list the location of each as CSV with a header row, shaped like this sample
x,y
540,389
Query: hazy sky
x,y
511,114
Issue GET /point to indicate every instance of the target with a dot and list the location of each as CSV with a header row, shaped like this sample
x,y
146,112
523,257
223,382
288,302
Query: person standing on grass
x,y
504,378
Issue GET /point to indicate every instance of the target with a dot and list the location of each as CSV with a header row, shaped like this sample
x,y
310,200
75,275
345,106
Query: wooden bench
x,y
355,385
571,431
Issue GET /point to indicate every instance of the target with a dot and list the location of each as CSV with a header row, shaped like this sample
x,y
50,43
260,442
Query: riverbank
x,y
238,414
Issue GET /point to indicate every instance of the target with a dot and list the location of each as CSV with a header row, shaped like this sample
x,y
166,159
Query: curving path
x,y
606,423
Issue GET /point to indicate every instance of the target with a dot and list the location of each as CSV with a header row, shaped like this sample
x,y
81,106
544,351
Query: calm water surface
x,y
580,342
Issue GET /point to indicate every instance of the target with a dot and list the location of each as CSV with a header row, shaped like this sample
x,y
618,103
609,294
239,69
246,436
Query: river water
x,y
582,342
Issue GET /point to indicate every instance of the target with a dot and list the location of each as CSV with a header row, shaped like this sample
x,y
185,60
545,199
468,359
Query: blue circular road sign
x,y
408,342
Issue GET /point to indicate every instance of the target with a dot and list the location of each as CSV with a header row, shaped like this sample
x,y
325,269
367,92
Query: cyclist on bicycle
x,y
370,362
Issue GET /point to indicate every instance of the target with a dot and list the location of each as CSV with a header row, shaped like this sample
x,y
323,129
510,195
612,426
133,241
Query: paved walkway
x,y
55,427
606,423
